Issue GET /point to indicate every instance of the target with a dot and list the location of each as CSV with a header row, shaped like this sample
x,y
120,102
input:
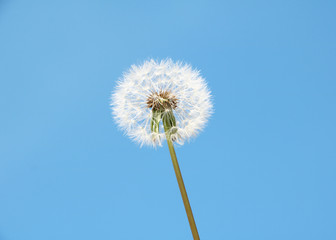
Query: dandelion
x,y
163,100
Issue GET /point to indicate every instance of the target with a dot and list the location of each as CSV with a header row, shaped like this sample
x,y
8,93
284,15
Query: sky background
x,y
264,168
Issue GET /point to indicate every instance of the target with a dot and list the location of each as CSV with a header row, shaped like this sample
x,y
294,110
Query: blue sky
x,y
264,168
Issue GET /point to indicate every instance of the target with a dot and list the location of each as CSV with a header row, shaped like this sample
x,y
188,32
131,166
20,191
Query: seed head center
x,y
161,100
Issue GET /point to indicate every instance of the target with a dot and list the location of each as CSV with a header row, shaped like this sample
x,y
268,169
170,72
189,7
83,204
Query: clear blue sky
x,y
264,168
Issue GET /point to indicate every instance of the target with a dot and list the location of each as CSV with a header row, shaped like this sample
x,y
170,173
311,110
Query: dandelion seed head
x,y
166,86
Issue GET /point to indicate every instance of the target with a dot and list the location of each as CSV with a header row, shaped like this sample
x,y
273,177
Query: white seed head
x,y
164,85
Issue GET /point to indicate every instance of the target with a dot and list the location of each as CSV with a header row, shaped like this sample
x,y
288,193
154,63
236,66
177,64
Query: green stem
x,y
182,188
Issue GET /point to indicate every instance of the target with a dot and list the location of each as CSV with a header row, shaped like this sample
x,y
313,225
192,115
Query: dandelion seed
x,y
163,100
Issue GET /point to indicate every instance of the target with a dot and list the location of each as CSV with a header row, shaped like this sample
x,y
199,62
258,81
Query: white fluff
x,y
129,106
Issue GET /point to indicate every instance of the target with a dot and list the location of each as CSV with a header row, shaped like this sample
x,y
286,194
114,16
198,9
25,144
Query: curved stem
x,y
182,188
